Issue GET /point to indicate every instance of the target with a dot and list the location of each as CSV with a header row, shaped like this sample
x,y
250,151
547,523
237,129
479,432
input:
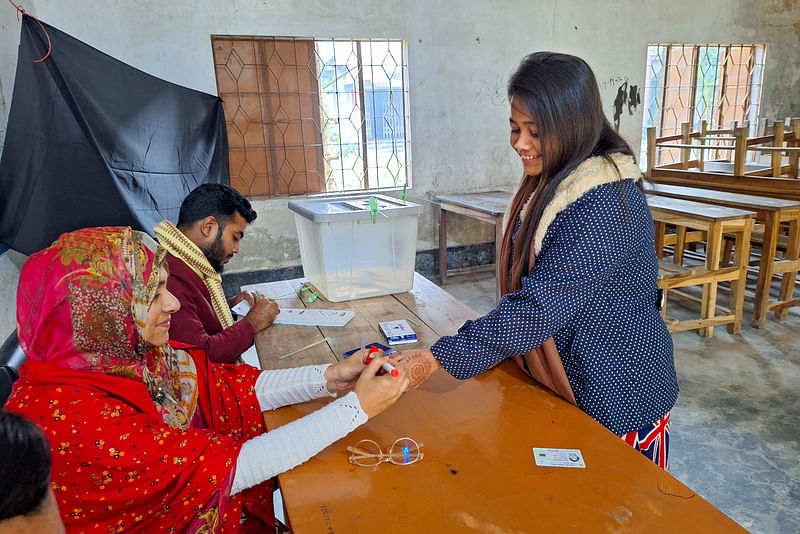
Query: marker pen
x,y
369,354
391,369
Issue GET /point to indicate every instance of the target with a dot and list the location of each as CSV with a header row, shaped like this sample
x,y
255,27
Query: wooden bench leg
x,y
442,246
660,230
727,252
788,279
498,243
741,259
680,244
708,306
765,268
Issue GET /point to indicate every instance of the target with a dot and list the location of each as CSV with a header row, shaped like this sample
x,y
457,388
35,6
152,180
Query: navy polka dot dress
x,y
593,289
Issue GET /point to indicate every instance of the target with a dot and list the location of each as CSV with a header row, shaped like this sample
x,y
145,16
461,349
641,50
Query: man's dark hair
x,y
24,465
219,200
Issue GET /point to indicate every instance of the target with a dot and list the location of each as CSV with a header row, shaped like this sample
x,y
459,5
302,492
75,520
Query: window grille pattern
x,y
312,115
718,83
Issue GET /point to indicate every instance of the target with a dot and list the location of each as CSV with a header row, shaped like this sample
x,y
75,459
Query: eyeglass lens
x,y
404,451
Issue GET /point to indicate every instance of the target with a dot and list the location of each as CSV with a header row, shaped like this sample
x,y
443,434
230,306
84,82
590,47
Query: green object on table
x,y
313,295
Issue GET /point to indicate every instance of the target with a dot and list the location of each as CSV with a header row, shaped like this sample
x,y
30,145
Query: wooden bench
x,y
778,231
695,219
672,276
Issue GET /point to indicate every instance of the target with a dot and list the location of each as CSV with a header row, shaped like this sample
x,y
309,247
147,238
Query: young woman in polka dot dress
x,y
579,311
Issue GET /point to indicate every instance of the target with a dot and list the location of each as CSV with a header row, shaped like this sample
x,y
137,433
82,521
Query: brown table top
x,y
734,200
491,202
698,210
478,472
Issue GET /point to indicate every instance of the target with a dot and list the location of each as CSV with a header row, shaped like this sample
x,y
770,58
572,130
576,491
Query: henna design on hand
x,y
419,367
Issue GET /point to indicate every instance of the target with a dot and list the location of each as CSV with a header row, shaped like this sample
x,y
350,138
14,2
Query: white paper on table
x,y
262,289
303,316
295,316
314,317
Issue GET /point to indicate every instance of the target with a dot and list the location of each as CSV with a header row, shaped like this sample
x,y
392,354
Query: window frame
x,y
720,106
265,179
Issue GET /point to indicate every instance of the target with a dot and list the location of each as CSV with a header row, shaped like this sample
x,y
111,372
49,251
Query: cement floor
x,y
736,427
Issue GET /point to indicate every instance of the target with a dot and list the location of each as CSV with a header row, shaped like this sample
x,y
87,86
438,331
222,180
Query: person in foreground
x,y
580,306
147,435
27,504
211,223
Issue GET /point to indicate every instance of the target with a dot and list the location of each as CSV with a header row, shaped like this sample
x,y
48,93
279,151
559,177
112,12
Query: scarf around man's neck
x,y
182,248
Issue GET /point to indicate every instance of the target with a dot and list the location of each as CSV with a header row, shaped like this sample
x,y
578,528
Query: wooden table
x,y
772,212
713,222
489,206
478,473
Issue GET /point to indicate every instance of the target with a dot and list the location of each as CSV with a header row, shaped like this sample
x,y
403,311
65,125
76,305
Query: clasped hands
x,y
376,390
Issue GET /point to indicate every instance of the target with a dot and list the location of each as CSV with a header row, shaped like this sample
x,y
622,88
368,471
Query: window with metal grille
x,y
312,115
718,83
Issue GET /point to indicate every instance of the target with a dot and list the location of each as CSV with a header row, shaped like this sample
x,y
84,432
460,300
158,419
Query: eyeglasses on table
x,y
367,453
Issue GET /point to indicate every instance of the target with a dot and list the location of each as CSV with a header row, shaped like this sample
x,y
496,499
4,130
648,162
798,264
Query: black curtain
x,y
92,141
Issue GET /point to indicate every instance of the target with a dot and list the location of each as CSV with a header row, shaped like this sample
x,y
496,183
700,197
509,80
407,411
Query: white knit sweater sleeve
x,y
282,387
279,450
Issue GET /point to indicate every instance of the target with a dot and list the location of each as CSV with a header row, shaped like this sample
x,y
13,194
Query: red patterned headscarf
x,y
82,304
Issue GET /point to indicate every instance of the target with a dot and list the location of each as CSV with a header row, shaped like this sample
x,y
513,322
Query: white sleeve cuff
x,y
282,387
279,450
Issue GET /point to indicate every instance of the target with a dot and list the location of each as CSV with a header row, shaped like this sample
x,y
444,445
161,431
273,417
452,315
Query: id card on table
x,y
558,457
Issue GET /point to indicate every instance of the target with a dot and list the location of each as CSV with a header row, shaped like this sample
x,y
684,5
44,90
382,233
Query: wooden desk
x,y
478,473
772,212
488,206
713,222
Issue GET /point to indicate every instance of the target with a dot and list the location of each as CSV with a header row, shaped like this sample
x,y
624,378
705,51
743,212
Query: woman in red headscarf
x,y
147,435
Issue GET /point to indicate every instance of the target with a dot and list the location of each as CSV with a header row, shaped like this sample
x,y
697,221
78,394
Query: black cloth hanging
x,y
92,141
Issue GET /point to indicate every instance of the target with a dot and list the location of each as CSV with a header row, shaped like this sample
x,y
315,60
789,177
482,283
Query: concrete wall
x,y
460,56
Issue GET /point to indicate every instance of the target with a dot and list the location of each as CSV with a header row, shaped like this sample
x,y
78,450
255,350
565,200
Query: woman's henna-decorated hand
x,y
418,364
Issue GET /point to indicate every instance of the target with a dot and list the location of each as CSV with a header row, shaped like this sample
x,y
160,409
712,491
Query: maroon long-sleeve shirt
x,y
197,324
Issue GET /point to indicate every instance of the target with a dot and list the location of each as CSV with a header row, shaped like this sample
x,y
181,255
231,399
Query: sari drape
x,y
543,363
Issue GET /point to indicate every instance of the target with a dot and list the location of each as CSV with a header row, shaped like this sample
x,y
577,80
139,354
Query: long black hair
x,y
24,465
562,97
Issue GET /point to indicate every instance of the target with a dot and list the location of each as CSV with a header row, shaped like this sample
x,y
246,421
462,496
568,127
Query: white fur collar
x,y
591,173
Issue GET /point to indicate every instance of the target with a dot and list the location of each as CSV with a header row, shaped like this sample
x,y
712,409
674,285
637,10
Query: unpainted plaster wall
x,y
460,55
